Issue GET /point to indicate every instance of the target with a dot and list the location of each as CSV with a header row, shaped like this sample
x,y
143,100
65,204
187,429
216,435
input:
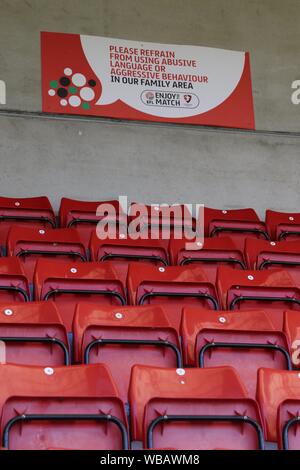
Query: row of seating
x,y
30,244
34,334
68,283
79,407
84,215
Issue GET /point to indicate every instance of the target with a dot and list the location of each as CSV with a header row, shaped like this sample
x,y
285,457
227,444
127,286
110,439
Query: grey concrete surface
x,y
101,160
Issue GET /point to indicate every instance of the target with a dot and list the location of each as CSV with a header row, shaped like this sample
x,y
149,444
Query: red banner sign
x,y
90,75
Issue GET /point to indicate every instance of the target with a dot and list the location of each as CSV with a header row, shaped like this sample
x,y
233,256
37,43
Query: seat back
x,y
246,341
76,407
123,337
275,387
193,409
174,286
238,223
283,225
292,330
33,212
30,244
69,283
14,285
261,255
214,252
161,221
122,251
273,291
82,215
288,425
33,334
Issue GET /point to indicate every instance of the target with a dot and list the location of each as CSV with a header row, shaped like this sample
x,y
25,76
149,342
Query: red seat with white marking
x,y
30,244
273,291
69,283
278,394
209,254
122,251
238,223
262,254
76,407
33,212
243,340
33,334
161,221
172,286
85,215
125,336
292,330
14,286
196,409
283,225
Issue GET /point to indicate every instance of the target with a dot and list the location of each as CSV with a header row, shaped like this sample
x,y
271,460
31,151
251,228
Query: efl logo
x,y
296,94
2,92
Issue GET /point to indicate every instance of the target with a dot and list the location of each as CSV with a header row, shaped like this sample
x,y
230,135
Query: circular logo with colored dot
x,y
73,89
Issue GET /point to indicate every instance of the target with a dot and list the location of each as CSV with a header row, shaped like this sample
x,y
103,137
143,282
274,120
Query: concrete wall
x,y
154,162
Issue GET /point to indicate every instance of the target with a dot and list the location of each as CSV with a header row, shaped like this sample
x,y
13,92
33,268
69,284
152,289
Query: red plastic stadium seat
x,y
123,337
292,330
283,225
34,212
83,216
30,244
76,407
122,251
173,286
289,424
69,283
261,254
273,291
243,340
278,394
197,409
238,223
33,334
162,221
213,253
14,286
